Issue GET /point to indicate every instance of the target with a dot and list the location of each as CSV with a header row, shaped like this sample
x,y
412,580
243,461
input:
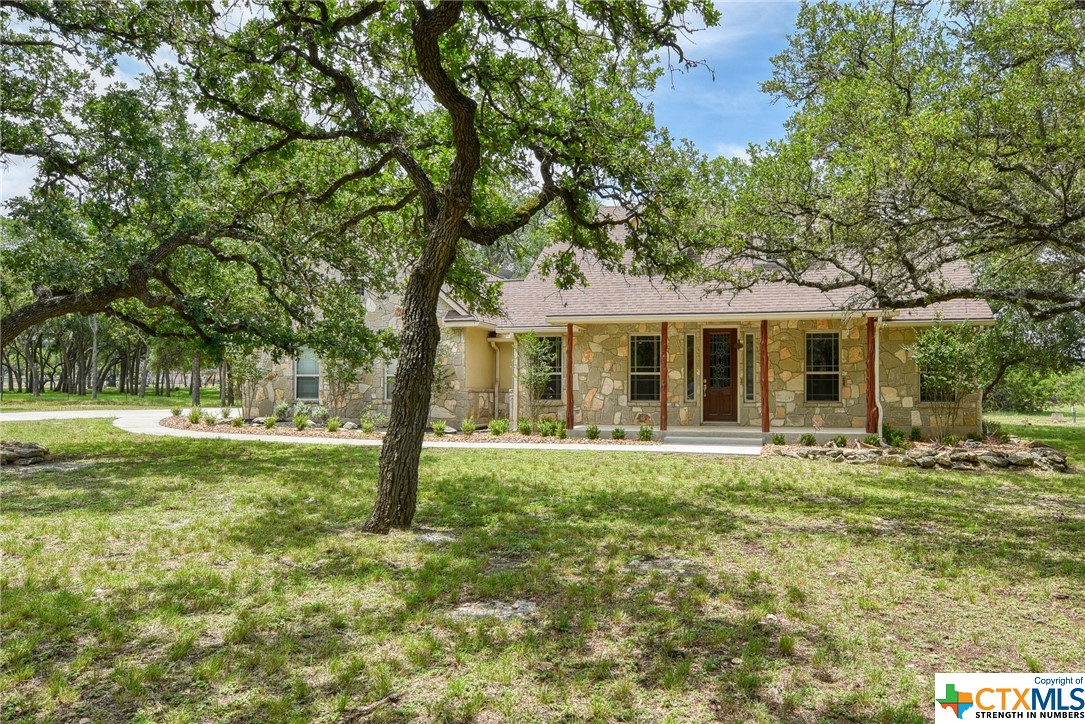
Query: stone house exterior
x,y
632,351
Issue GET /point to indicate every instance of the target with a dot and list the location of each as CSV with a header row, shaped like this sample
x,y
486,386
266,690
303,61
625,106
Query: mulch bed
x,y
286,429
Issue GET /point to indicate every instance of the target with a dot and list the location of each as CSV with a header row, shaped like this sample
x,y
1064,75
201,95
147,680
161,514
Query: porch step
x,y
713,440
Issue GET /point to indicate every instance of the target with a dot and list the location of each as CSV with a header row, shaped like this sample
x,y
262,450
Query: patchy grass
x,y
176,580
107,399
1066,436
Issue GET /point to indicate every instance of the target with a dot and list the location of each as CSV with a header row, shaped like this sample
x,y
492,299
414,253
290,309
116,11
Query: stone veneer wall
x,y
368,393
900,388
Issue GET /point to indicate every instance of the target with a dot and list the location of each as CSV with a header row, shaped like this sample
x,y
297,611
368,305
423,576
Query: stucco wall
x,y
900,388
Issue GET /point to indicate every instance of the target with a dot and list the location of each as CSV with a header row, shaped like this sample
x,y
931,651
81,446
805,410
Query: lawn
x,y
181,580
21,401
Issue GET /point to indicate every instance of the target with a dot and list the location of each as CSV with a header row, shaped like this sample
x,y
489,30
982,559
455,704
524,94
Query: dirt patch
x,y
502,611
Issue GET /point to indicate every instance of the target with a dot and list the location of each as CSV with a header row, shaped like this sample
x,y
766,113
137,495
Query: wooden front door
x,y
721,382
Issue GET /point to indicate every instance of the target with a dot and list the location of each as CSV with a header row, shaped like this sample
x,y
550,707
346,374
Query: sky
x,y
721,110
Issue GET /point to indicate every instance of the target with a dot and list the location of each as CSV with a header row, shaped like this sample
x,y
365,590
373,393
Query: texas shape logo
x,y
957,701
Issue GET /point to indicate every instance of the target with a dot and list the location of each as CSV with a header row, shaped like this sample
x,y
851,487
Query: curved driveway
x,y
145,422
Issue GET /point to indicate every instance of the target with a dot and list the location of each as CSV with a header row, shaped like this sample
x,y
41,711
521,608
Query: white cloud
x,y
731,150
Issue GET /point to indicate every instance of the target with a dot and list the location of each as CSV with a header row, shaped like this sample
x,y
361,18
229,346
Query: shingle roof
x,y
535,301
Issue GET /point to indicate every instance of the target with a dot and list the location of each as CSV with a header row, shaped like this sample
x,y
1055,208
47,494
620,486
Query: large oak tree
x,y
464,121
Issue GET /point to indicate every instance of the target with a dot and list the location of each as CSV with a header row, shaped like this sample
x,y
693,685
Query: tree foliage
x,y
952,366
534,365
924,138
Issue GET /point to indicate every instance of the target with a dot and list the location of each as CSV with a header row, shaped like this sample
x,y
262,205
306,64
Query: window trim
x,y
748,357
691,368
642,373
828,373
558,370
298,376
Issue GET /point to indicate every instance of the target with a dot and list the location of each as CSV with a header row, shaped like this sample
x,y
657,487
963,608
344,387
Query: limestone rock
x,y
13,452
349,426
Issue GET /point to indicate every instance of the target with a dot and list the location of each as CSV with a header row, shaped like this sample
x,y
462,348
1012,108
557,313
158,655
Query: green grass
x,y
107,399
179,580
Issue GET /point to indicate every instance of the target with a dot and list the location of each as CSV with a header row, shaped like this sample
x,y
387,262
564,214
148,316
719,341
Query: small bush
x,y
301,419
808,439
645,434
617,433
282,411
592,433
840,441
333,424
560,431
467,426
994,434
318,413
224,413
439,427
176,411
499,427
237,421
524,427
915,434
547,428
209,419
892,436
873,440
375,420
195,414
951,440
778,438
367,426
301,408
269,422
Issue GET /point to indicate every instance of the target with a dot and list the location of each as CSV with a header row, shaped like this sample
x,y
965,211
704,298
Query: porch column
x,y
570,420
871,381
663,378
764,375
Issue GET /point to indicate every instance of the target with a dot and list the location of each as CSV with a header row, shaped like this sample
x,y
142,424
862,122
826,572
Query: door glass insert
x,y
720,365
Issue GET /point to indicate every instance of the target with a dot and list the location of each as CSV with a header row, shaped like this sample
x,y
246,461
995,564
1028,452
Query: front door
x,y
721,384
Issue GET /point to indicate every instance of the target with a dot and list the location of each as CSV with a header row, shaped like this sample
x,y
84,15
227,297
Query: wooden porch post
x,y
764,375
570,420
871,387
663,378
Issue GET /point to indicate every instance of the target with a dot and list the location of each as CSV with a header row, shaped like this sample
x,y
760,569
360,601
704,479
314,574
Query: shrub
x,y
237,421
559,430
318,413
269,422
176,411
808,439
301,408
301,419
375,419
592,433
645,434
951,440
367,426
467,426
282,411
993,433
195,414
916,434
617,434
840,441
439,427
499,426
547,428
892,436
778,438
524,426
873,440
333,424
209,419
225,413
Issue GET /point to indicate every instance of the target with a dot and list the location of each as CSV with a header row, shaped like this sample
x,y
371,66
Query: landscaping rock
x,y
897,461
259,420
1016,454
994,459
13,452
349,426
502,611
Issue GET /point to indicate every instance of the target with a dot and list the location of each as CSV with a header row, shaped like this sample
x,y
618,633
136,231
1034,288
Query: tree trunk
x,y
195,379
222,383
397,482
146,371
94,356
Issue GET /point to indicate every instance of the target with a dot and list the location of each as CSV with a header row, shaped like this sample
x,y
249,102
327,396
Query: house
x,y
633,351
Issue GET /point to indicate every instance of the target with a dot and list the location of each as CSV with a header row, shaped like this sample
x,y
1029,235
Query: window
x,y
307,376
390,367
691,367
749,368
822,367
644,368
553,385
929,391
